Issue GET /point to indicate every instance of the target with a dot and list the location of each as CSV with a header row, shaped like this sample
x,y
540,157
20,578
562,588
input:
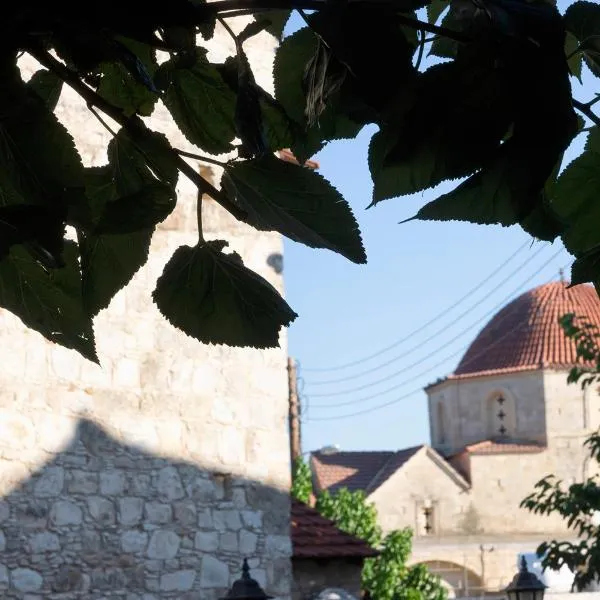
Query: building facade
x,y
153,475
503,420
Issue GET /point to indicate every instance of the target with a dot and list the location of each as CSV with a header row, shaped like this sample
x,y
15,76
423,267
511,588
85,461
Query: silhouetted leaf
x,y
442,46
47,86
435,8
201,103
575,58
586,267
48,301
576,197
277,20
297,202
582,19
139,211
214,298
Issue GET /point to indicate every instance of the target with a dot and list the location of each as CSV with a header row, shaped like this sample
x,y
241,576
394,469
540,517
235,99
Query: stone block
x,y
26,580
213,573
252,519
169,484
134,541
185,512
112,483
82,482
130,510
45,541
158,512
179,581
206,541
50,483
4,511
101,510
164,544
64,512
228,542
248,542
4,577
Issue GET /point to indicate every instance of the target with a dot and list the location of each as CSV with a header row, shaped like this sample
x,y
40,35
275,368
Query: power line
x,y
448,343
435,333
433,320
409,394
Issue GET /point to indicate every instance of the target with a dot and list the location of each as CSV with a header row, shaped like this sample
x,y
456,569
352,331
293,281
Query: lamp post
x,y
246,588
525,585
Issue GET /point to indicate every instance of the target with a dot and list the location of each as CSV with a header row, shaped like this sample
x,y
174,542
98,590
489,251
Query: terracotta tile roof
x,y
525,334
288,156
314,536
508,447
363,470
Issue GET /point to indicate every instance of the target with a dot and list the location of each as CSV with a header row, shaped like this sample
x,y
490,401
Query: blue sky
x,y
414,294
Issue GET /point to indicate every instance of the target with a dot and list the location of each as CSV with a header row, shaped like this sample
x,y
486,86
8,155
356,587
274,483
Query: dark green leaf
x,y
212,297
277,20
47,86
297,202
201,103
141,159
292,56
137,212
430,141
586,267
48,301
445,47
108,261
435,8
575,57
582,19
575,197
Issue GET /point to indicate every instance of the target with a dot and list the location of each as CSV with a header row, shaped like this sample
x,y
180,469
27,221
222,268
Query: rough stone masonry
x,y
155,474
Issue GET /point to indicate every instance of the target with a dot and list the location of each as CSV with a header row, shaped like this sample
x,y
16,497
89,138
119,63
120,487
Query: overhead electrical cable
x,y
409,394
443,346
436,333
430,322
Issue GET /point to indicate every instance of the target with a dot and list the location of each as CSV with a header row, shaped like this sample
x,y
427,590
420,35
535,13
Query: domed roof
x,y
526,335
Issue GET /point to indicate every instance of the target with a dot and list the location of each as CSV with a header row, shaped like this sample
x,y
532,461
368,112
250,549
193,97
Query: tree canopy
x,y
493,108
388,576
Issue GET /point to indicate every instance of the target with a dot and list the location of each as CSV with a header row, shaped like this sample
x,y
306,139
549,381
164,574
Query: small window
x,y
426,519
441,424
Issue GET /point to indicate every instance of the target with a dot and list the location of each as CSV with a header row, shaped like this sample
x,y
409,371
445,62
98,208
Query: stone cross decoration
x,y
501,414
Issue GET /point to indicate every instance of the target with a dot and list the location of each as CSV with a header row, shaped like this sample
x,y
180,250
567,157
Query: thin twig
x,y
134,126
224,6
212,161
584,109
592,102
421,49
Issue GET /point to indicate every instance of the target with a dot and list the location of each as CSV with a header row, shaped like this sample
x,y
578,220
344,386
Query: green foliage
x,y
386,577
302,487
498,113
578,503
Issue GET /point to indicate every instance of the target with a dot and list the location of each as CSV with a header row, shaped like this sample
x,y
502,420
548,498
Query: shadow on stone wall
x,y
107,520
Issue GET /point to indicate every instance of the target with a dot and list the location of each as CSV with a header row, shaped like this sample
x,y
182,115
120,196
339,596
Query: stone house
x,y
503,420
323,556
153,475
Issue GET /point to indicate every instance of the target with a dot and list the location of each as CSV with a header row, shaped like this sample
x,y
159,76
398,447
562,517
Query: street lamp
x,y
525,585
247,588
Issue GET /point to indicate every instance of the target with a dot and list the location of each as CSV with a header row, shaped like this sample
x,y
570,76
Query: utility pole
x,y
294,412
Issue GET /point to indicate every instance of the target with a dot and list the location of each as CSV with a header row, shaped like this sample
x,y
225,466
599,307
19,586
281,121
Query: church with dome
x,y
503,420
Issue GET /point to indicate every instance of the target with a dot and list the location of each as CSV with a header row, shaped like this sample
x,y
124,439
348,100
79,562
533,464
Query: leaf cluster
x,y
497,112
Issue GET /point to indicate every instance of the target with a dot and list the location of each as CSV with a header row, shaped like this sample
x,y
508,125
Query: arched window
x,y
501,415
441,424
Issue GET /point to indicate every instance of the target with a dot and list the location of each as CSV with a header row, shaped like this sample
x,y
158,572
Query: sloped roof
x,y
361,470
525,334
508,447
314,536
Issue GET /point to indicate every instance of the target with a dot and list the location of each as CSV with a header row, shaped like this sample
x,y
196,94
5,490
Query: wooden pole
x,y
294,412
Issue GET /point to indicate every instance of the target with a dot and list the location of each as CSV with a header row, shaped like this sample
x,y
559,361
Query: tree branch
x,y
223,6
133,126
585,109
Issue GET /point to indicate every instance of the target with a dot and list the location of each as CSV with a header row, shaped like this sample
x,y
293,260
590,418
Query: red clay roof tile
x,y
314,536
525,334
362,470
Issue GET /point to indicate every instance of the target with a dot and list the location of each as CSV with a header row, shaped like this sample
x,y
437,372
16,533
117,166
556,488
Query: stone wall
x,y
312,577
152,475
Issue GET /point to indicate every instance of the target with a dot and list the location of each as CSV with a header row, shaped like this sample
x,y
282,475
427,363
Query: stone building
x,y
151,476
503,420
